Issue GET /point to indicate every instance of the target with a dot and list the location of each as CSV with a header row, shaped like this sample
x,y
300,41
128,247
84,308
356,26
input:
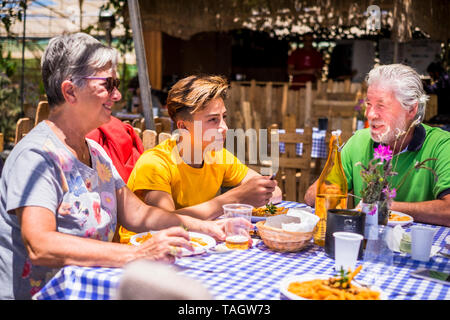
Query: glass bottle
x,y
331,192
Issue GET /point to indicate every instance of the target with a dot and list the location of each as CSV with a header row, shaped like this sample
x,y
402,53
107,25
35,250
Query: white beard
x,y
389,136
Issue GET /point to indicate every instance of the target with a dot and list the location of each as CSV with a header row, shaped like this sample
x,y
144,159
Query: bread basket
x,y
282,240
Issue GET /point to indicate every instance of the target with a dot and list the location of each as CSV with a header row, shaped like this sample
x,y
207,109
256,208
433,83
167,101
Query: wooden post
x,y
347,85
284,102
269,103
291,180
246,112
308,104
141,60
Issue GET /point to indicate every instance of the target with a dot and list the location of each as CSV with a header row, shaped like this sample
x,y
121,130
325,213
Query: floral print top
x,y
41,171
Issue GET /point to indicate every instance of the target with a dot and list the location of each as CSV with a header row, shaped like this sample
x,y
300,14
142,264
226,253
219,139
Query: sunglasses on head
x,y
111,82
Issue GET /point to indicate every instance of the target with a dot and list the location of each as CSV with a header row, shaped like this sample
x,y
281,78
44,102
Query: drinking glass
x,y
378,256
236,230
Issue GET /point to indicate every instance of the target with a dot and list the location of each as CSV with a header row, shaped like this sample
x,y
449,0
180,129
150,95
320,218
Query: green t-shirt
x,y
427,142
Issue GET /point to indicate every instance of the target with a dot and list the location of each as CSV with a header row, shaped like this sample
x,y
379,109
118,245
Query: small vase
x,y
383,212
371,225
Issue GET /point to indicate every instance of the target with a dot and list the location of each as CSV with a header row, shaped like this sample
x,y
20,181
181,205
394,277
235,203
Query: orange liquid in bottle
x,y
331,192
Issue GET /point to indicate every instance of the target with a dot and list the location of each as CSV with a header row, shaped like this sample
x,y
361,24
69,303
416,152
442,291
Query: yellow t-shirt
x,y
161,168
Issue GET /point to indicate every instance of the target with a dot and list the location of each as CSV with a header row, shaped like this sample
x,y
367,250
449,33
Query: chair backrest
x,y
23,126
166,124
163,136
292,164
139,123
42,112
1,141
29,111
149,139
138,132
340,114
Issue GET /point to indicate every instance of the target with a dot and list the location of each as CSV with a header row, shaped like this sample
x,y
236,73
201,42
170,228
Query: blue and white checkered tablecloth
x,y
319,147
254,274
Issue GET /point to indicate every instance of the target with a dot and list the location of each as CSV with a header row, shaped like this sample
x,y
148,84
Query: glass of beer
x,y
236,230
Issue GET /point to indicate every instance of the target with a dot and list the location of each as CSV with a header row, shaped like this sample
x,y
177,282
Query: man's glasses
x,y
111,82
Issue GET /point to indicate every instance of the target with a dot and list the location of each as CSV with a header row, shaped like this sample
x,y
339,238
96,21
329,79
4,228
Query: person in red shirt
x,y
121,143
305,64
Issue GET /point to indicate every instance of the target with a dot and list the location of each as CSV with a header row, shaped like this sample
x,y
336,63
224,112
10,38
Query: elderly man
x,y
395,105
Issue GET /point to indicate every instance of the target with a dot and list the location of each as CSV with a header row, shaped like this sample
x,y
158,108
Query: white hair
x,y
73,56
405,83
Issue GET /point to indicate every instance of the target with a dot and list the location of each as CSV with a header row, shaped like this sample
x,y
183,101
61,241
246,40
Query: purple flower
x,y
383,153
373,210
390,194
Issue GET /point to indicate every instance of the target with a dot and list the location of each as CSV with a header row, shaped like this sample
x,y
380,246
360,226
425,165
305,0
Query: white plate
x,y
198,248
256,219
400,223
285,294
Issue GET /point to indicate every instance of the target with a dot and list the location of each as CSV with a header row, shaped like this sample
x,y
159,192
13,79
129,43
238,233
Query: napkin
x,y
295,220
393,240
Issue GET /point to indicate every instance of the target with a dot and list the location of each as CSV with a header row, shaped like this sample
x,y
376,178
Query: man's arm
x,y
431,212
310,195
254,189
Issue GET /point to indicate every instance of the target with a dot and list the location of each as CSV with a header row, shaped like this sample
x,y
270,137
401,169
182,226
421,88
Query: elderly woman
x,y
60,195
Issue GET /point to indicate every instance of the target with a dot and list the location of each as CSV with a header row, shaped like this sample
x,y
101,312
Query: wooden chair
x,y
1,141
42,112
149,138
319,163
29,111
139,123
138,132
166,124
23,126
294,171
163,136
432,107
340,115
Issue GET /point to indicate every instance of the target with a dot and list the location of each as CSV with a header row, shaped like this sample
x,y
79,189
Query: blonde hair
x,y
192,93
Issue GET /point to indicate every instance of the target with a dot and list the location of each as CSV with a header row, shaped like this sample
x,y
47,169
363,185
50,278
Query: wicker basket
x,y
281,240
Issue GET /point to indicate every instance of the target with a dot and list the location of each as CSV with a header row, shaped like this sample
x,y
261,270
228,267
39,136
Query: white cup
x,y
346,248
421,241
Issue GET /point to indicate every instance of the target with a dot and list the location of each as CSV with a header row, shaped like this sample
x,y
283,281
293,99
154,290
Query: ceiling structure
x,y
286,17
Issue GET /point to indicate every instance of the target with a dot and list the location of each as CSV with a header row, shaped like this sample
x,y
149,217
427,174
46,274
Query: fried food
x,y
269,210
397,217
144,237
334,288
199,241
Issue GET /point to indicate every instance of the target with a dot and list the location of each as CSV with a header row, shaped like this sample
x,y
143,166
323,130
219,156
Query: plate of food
x,y
201,242
269,210
399,218
320,287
